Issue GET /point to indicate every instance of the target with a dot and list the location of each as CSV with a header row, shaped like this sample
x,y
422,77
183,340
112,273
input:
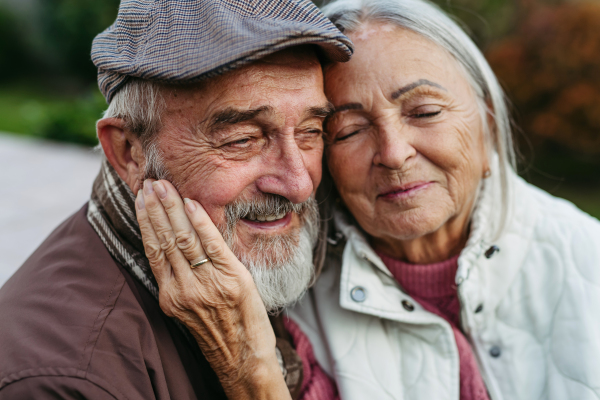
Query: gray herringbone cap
x,y
184,41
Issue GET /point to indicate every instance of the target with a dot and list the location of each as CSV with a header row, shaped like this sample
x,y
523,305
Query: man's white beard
x,y
281,266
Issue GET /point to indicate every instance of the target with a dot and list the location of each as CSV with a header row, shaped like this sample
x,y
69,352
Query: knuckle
x,y
168,243
214,248
186,241
153,252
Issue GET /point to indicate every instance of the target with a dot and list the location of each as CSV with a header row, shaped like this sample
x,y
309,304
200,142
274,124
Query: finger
x,y
186,237
158,262
210,237
166,237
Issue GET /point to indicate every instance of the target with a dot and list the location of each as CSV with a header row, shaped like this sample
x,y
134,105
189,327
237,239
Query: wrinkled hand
x,y
217,301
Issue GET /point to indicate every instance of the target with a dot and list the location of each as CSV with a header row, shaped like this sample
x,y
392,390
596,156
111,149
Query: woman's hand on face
x,y
217,301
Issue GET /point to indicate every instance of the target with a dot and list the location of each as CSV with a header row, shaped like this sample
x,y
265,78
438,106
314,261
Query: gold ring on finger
x,y
199,263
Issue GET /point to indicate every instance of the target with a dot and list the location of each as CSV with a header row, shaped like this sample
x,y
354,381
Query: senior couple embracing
x,y
309,206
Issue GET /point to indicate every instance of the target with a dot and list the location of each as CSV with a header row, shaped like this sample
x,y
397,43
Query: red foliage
x,y
551,71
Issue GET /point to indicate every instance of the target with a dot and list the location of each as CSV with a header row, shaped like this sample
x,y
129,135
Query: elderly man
x,y
224,99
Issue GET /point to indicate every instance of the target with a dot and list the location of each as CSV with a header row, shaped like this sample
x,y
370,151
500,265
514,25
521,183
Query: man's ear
x,y
122,149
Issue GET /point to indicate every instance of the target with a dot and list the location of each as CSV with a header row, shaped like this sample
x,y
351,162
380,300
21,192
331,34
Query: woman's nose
x,y
394,146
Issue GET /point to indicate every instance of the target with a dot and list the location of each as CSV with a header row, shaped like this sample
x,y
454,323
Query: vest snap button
x,y
491,251
495,352
479,309
358,294
408,306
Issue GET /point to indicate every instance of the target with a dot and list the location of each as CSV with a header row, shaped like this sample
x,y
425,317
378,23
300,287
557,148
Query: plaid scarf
x,y
111,212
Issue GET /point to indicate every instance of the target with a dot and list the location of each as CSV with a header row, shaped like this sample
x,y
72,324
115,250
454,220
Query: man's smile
x,y
268,222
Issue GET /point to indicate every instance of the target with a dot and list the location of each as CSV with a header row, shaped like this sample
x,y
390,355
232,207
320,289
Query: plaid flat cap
x,y
184,41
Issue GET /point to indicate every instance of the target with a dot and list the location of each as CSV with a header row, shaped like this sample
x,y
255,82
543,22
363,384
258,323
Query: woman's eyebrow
x,y
413,85
348,106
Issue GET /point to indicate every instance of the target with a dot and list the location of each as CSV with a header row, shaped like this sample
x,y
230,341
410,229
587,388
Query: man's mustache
x,y
264,205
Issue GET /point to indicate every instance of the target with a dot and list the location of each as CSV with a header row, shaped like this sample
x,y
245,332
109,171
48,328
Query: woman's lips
x,y
404,190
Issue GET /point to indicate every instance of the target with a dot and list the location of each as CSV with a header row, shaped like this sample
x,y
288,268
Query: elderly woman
x,y
447,276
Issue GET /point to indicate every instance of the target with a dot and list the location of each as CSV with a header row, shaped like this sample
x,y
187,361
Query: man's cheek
x,y
217,215
215,195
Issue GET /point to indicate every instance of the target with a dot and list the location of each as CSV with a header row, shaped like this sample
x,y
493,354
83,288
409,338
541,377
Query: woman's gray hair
x,y
429,21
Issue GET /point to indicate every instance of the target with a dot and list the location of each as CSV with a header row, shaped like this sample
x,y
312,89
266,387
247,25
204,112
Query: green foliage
x,y
24,111
74,121
71,25
15,59
49,88
485,21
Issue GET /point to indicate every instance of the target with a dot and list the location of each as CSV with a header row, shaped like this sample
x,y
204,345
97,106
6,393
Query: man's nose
x,y
286,173
393,146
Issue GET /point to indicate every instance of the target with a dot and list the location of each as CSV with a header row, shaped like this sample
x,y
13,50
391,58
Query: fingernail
x,y
148,187
140,200
160,189
189,205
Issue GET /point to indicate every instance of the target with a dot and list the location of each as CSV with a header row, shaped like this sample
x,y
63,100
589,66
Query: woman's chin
x,y
406,225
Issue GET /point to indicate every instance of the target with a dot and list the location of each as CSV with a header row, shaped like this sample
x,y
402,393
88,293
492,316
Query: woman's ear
x,y
489,139
122,149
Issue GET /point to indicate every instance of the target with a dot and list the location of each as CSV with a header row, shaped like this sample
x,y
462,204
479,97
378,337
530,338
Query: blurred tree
x,y
549,68
15,59
484,20
70,26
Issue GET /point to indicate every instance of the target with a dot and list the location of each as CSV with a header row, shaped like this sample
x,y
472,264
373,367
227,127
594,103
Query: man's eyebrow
x,y
231,116
321,111
348,106
413,85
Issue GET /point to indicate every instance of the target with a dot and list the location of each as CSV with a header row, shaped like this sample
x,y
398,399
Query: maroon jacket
x,y
74,324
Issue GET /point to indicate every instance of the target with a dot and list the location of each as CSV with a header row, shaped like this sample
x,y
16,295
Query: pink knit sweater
x,y
432,285
316,384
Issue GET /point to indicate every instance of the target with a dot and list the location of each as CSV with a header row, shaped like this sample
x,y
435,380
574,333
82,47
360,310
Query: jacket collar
x,y
483,280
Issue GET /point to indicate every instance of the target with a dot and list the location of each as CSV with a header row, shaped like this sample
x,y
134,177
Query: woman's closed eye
x,y
346,125
426,115
428,111
348,132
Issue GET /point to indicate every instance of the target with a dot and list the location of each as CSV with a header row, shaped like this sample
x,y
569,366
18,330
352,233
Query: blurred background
x,y
546,54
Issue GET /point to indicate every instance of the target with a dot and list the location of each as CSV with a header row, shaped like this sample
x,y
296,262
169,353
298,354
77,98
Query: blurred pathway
x,y
42,184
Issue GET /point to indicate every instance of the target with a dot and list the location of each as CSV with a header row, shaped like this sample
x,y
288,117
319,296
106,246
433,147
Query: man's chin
x,y
277,253
271,251
283,272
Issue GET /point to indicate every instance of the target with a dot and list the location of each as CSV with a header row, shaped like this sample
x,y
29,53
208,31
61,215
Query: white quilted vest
x,y
531,311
